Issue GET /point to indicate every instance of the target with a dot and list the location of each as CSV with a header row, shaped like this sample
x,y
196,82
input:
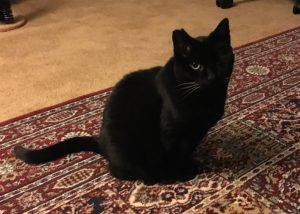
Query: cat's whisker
x,y
187,91
185,83
187,87
190,91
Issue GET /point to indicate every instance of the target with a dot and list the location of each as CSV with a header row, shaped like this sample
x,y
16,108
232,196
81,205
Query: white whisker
x,y
190,91
186,83
187,87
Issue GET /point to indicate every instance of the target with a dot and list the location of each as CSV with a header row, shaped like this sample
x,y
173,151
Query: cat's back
x,y
136,85
134,97
141,80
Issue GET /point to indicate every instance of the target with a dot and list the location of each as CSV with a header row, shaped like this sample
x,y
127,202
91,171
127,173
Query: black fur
x,y
155,118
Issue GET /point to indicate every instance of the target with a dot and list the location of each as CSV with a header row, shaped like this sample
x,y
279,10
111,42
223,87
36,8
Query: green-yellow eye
x,y
197,66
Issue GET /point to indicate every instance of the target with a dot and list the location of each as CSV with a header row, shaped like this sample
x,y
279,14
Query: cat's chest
x,y
196,116
202,110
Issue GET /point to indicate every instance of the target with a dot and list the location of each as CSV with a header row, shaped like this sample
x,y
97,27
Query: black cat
x,y
155,118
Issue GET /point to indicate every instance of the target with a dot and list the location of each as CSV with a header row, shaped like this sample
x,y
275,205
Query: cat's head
x,y
200,63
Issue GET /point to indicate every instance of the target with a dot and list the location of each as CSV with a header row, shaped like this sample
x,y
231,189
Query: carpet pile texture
x,y
251,158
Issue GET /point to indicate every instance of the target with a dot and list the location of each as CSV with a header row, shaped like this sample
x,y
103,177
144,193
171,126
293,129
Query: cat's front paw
x,y
189,171
165,180
149,182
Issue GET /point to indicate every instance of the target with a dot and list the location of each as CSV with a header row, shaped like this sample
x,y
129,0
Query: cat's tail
x,y
58,150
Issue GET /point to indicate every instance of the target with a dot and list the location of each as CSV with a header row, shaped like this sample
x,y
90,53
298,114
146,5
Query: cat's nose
x,y
210,75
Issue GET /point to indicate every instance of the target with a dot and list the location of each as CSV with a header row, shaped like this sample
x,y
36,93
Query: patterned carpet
x,y
251,158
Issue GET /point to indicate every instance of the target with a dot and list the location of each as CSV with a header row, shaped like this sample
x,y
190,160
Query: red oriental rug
x,y
253,154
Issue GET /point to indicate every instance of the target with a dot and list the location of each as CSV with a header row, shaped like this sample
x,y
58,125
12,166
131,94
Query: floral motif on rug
x,y
250,159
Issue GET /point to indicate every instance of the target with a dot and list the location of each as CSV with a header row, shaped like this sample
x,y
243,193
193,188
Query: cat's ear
x,y
182,43
222,32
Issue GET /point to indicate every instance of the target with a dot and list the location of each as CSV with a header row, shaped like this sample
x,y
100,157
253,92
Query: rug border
x,y
265,38
14,119
29,114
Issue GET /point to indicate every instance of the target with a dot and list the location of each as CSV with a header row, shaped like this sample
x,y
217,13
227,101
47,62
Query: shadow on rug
x,y
251,159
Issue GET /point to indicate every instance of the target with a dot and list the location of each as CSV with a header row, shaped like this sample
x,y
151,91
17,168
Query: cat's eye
x,y
197,66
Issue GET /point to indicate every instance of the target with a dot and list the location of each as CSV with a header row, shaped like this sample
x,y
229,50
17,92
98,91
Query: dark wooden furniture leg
x,y
7,20
6,15
224,3
296,9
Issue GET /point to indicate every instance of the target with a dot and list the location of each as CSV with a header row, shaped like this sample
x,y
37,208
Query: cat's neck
x,y
164,81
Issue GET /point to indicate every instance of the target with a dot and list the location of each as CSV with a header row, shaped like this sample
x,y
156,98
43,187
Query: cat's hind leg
x,y
123,172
